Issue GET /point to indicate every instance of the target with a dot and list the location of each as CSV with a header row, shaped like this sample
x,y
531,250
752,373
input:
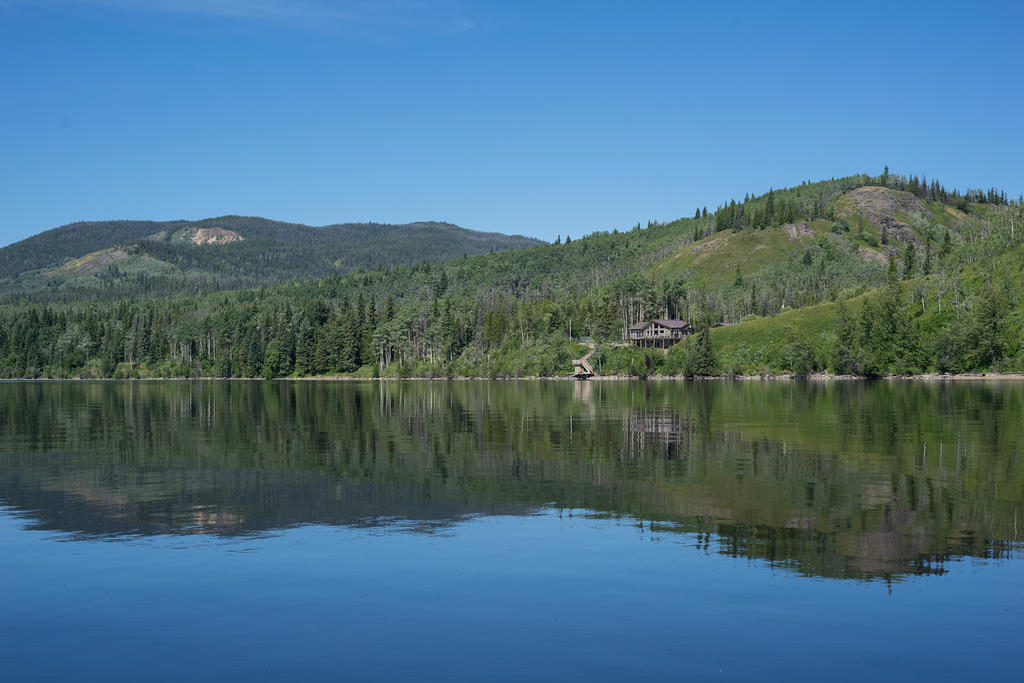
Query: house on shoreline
x,y
658,333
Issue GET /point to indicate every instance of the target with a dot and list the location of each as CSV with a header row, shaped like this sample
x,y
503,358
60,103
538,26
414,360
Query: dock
x,y
581,367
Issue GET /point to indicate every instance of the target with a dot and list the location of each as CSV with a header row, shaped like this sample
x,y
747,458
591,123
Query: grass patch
x,y
773,345
714,259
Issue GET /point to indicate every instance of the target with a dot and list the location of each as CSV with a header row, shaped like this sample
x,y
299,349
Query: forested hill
x,y
865,275
115,258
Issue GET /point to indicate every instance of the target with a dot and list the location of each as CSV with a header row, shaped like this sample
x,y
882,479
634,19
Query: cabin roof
x,y
672,324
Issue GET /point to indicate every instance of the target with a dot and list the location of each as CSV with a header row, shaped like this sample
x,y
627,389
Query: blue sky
x,y
536,118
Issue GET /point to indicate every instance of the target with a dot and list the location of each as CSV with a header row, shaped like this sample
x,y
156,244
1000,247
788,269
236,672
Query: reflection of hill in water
x,y
125,500
848,480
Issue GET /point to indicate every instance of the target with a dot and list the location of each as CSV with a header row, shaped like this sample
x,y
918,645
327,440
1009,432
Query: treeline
x,y
934,191
886,337
329,328
811,201
274,337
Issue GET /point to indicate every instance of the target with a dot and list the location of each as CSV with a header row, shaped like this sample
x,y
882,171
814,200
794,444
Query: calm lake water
x,y
511,530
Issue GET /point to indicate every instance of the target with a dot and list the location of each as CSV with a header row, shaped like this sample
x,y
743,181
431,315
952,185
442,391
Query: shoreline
x,y
927,377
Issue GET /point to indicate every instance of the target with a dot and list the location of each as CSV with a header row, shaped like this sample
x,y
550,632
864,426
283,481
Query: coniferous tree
x,y
305,349
222,363
286,364
886,332
253,353
369,327
357,321
847,352
324,356
272,360
346,336
947,246
909,258
705,363
985,328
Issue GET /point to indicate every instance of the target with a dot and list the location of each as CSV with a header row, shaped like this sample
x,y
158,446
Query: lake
x,y
502,530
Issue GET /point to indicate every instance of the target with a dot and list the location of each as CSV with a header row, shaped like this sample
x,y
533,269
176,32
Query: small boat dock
x,y
581,367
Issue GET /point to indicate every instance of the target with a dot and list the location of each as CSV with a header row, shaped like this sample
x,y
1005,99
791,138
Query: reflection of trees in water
x,y
853,479
122,500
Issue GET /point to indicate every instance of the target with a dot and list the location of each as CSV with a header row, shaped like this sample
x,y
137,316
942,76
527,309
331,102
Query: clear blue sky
x,y
539,118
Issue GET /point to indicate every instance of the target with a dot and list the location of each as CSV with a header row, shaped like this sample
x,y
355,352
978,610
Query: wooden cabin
x,y
658,333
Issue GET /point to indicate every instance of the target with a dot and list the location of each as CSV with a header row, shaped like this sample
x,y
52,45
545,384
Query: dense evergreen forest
x,y
866,275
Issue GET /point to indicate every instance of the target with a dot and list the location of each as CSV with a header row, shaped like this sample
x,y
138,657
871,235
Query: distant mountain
x,y
106,258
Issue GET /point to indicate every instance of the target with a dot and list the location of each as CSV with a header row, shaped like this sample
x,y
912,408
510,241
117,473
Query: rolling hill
x,y
114,258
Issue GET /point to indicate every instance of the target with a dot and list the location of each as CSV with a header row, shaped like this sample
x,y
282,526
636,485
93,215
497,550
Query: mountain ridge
x,y
225,252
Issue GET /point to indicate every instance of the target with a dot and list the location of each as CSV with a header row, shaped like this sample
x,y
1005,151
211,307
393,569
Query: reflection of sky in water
x,y
544,596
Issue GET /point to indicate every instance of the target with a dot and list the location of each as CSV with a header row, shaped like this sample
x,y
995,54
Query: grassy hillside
x,y
966,320
716,260
114,258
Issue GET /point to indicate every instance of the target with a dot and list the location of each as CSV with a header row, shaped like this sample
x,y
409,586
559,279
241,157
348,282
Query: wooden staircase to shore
x,y
581,367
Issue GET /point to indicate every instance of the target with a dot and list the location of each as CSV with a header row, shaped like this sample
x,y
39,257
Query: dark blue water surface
x,y
510,531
